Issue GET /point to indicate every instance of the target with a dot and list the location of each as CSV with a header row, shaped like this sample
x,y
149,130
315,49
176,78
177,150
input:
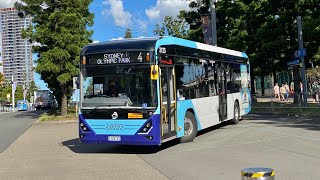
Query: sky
x,y
112,17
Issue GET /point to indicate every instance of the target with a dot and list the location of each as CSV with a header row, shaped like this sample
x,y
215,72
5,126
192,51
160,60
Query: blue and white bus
x,y
147,91
22,105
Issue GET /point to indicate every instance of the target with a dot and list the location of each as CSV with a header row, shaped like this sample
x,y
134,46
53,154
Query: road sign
x,y
300,53
14,86
294,62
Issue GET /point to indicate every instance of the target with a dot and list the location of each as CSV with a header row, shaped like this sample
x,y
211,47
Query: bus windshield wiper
x,y
95,109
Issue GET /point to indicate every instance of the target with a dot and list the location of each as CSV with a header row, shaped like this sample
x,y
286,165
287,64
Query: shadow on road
x,y
77,147
309,123
218,126
28,114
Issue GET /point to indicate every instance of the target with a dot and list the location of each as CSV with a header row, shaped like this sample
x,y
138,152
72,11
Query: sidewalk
x,y
52,151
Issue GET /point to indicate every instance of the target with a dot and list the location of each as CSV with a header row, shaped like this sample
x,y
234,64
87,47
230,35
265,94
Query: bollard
x,y
257,174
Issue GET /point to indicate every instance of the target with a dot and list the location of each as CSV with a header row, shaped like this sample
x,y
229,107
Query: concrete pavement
x,y
289,145
13,124
48,151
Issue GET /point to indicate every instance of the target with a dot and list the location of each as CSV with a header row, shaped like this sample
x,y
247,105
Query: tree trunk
x,y
274,75
253,88
262,85
296,79
64,98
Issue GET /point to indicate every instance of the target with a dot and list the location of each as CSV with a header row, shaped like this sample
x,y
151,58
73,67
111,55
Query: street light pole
x,y
304,81
13,90
213,22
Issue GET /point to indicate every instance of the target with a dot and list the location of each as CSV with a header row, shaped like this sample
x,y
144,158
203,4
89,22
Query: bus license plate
x,y
114,138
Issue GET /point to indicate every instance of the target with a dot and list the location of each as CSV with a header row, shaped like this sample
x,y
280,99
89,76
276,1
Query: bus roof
x,y
132,44
152,43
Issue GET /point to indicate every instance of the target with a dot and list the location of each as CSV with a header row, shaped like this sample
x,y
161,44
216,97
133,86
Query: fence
x,y
286,103
5,107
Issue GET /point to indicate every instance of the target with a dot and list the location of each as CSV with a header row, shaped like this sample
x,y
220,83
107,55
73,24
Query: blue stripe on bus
x,y
182,107
116,127
244,55
175,41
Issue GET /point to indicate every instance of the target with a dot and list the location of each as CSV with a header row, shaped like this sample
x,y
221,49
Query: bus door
x,y
168,101
222,90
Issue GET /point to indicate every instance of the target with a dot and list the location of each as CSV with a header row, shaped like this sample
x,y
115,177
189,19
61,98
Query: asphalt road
x,y
289,145
13,124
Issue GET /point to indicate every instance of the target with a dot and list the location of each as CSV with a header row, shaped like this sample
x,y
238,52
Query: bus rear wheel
x,y
190,128
236,113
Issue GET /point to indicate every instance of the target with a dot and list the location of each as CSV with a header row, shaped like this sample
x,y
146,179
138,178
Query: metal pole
x,y
12,86
213,22
304,82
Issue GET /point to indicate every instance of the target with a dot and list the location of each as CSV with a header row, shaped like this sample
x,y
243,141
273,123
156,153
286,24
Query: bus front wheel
x,y
236,113
190,128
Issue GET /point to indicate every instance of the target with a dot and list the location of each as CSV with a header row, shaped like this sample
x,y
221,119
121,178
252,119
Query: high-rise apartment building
x,y
16,51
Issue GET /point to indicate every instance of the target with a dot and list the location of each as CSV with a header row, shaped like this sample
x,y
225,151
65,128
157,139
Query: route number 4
x,y
140,57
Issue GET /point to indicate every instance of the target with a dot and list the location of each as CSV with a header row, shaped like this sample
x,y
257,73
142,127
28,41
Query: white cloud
x,y
141,24
119,38
116,10
166,8
95,41
7,3
36,44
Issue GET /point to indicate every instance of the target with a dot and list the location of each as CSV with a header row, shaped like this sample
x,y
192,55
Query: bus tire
x,y
236,113
190,128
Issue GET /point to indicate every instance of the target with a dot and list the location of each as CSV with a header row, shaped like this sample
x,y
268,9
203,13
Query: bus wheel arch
x,y
236,112
190,127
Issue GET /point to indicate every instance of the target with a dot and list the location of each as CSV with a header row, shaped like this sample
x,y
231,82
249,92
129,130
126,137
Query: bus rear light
x,y
82,135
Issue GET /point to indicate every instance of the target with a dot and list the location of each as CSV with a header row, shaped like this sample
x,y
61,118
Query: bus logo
x,y
162,50
114,115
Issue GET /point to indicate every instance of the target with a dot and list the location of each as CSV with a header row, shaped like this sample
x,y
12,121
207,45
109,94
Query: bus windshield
x,y
118,86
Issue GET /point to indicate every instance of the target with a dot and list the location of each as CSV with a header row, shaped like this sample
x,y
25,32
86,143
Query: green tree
x,y
176,27
32,87
90,87
61,29
1,78
5,88
128,33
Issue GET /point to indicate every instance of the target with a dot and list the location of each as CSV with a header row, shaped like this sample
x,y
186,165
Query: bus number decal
x,y
114,127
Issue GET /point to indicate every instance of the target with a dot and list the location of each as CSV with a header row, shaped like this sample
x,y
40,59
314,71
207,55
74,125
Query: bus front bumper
x,y
125,132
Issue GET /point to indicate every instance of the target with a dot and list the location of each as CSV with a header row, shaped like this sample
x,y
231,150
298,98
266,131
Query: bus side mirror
x,y
154,72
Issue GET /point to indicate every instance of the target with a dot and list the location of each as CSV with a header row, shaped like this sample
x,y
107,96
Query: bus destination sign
x,y
117,58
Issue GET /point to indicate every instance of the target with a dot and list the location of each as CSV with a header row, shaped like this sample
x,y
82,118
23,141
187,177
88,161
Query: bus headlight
x,y
83,127
146,128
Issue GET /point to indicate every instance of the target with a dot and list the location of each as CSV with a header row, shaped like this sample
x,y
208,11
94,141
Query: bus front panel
x,y
120,131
